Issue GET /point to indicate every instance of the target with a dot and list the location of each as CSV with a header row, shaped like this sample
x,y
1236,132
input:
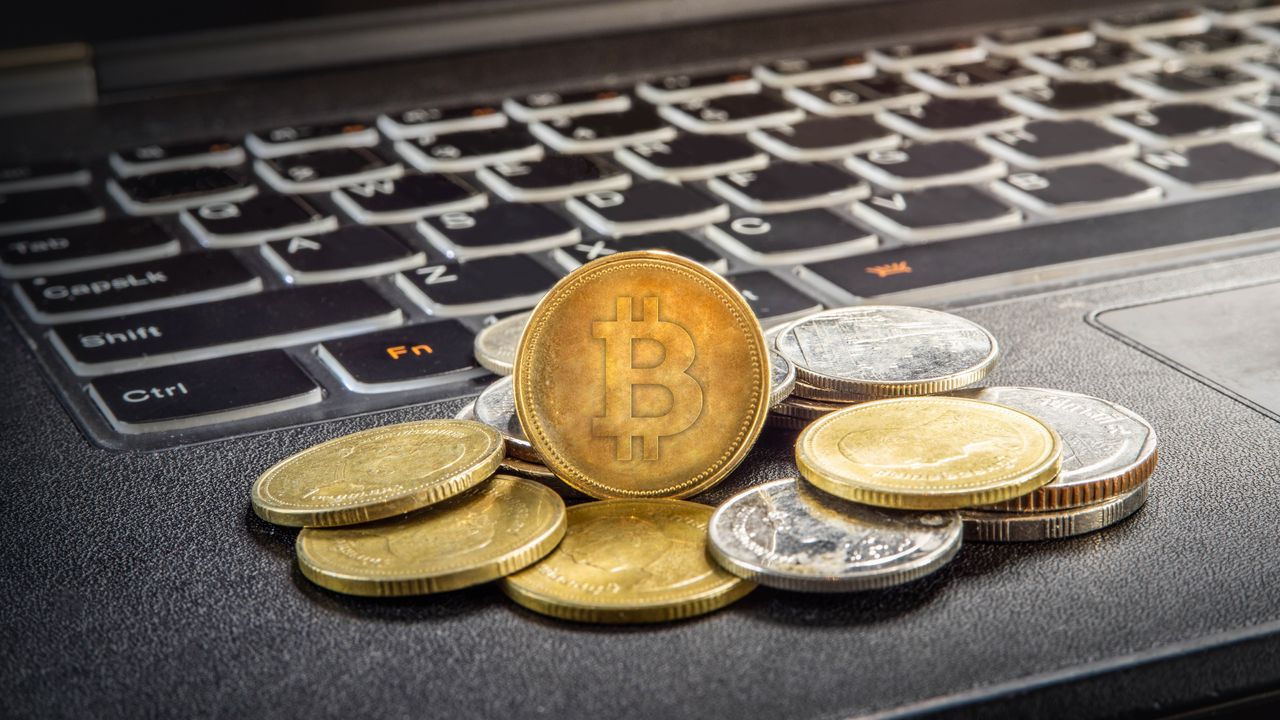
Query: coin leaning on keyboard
x,y
643,378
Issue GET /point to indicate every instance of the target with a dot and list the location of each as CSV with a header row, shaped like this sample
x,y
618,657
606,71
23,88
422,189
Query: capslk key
x,y
124,289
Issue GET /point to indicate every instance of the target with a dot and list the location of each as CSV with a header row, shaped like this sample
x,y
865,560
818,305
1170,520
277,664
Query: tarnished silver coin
x,y
782,377
804,408
994,526
468,412
789,536
805,390
495,346
885,351
496,407
1107,449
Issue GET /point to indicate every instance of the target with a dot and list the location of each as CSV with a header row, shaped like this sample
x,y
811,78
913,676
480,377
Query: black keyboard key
x,y
791,238
997,261
692,157
348,253
952,119
407,199
645,208
1048,144
1215,45
1155,22
1075,100
902,57
297,139
503,229
204,393
786,187
1243,13
1102,60
603,133
1212,167
772,300
790,72
938,213
858,97
403,358
85,247
147,159
822,138
1195,83
426,121
254,221
256,322
43,176
470,151
325,170
174,191
1023,41
1183,124
1076,190
571,257
988,78
731,114
553,178
25,212
135,288
548,105
478,287
922,165
683,88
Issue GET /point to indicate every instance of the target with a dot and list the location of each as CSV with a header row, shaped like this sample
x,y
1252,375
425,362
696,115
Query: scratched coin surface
x,y
642,374
886,351
629,561
377,473
786,535
928,453
1107,449
495,346
995,526
782,378
496,407
492,530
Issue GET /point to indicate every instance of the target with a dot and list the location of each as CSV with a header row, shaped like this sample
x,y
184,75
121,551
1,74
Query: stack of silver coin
x,y
855,354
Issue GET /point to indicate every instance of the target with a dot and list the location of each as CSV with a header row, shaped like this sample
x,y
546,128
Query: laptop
x,y
228,233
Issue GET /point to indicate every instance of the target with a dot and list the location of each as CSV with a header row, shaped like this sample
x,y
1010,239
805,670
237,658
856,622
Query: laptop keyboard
x,y
190,291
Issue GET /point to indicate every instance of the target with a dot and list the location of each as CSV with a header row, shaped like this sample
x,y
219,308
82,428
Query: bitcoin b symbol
x,y
622,377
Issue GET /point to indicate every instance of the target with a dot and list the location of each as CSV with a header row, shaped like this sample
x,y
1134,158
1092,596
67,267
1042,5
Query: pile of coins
x,y
644,378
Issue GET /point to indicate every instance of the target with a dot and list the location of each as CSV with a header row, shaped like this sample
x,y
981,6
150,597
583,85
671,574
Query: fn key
x,y
178,397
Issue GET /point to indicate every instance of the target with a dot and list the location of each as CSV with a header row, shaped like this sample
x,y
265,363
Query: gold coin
x,y
490,531
642,374
928,453
629,561
377,473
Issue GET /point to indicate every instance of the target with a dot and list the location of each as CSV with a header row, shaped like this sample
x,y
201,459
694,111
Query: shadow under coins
x,y
870,607
413,609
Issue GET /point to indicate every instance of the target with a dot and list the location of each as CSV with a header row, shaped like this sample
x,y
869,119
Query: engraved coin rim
x,y
780,391
995,526
857,490
532,425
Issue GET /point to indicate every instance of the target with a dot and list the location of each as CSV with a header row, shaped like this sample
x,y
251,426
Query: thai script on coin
x,y
788,536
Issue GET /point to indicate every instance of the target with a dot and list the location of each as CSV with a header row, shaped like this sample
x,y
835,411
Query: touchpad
x,y
1229,339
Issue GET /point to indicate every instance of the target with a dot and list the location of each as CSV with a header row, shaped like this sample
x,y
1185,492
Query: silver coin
x,y
805,390
782,377
468,412
888,350
1106,449
495,347
786,535
496,407
994,526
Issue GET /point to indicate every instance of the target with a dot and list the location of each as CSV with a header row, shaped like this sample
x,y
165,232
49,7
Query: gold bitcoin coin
x,y
642,375
377,473
928,453
490,531
629,561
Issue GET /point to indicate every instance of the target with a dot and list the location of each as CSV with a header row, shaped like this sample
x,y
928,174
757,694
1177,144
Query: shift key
x,y
257,322
202,393
135,288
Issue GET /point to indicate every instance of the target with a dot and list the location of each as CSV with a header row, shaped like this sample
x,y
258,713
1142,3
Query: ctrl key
x,y
178,397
